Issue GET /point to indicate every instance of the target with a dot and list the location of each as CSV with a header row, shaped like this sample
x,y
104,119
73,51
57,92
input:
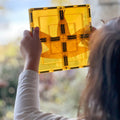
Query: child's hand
x,y
31,49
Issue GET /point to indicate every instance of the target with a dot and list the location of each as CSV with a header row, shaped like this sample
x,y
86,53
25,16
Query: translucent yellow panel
x,y
64,33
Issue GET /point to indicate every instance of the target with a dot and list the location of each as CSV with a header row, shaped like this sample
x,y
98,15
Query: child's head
x,y
102,94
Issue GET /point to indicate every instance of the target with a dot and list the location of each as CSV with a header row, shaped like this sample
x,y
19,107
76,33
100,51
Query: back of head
x,y
101,98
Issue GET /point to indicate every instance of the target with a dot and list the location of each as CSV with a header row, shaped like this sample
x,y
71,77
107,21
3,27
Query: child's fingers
x,y
36,33
26,34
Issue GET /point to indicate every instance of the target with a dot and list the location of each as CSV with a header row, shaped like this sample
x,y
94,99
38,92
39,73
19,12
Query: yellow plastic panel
x,y
64,33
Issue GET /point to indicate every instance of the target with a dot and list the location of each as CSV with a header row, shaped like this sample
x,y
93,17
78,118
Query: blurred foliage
x,y
65,94
11,64
8,51
60,2
2,108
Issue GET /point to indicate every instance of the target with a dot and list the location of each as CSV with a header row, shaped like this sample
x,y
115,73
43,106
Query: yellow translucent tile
x,y
64,33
